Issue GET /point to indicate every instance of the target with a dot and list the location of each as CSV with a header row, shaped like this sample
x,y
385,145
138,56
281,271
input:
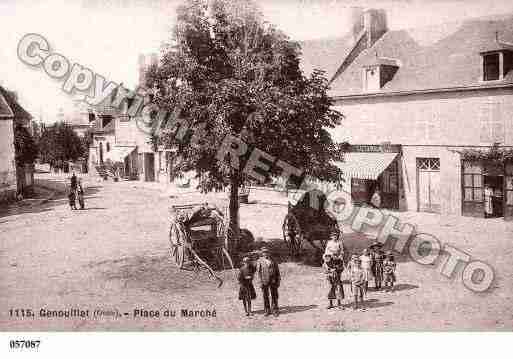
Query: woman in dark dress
x,y
246,290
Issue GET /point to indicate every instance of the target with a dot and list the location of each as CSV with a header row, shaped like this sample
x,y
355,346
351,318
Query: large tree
x,y
25,146
59,144
231,73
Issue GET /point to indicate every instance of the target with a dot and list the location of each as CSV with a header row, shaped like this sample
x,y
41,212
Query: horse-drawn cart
x,y
307,220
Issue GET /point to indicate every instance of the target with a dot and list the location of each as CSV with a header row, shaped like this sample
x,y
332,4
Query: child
x,y
389,271
377,268
357,282
80,194
246,290
366,262
71,197
334,266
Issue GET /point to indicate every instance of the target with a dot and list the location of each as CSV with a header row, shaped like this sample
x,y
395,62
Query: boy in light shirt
x,y
366,265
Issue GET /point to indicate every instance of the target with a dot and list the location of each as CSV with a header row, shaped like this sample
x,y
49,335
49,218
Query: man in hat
x,y
269,275
377,263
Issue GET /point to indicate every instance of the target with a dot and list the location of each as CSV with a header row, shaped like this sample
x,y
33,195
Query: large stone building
x,y
414,101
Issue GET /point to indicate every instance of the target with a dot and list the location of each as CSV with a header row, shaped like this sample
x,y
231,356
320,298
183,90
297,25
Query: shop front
x,y
374,174
487,189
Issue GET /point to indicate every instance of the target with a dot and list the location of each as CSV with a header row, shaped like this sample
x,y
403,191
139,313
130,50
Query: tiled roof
x,y
438,57
325,54
5,110
9,107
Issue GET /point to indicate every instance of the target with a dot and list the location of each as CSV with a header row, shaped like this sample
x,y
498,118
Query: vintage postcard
x,y
256,165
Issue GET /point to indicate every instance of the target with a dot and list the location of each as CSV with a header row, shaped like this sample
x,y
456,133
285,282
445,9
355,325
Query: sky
x,y
108,36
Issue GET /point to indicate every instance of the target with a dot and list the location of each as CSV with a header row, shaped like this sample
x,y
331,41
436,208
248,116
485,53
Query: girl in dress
x,y
246,290
333,267
389,272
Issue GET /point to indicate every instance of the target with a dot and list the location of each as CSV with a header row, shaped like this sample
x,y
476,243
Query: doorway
x,y
428,185
493,196
149,167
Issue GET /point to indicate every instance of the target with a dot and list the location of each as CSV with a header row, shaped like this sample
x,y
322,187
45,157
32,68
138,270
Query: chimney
x,y
356,22
375,25
145,61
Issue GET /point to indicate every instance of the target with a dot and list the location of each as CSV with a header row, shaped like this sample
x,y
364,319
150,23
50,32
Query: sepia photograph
x,y
255,166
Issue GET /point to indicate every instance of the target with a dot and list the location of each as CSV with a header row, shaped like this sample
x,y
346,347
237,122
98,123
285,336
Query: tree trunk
x,y
234,211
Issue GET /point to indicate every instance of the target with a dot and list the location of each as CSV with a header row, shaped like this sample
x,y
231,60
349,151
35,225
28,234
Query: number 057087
x,y
24,344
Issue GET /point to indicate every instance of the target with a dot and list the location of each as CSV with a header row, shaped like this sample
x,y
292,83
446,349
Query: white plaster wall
x,y
7,159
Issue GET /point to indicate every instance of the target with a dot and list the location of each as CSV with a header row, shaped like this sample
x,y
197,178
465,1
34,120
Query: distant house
x,y
12,179
414,100
121,138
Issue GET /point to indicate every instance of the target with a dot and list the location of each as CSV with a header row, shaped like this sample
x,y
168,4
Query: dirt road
x,y
113,256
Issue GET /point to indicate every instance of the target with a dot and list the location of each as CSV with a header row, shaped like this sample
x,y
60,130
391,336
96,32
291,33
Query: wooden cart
x,y
307,220
199,240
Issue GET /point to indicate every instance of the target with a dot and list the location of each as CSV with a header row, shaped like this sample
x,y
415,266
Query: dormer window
x,y
491,66
378,72
497,60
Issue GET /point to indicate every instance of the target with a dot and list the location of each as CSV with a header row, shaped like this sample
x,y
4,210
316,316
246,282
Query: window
x,y
492,123
371,79
472,182
428,164
491,67
107,146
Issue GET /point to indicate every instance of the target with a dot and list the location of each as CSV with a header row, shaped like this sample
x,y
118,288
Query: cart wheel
x,y
177,243
292,234
178,254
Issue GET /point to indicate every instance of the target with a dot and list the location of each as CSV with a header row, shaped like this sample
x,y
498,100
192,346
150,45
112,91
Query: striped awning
x,y
118,153
365,165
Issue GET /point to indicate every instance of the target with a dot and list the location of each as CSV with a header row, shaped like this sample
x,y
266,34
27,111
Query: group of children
x,y
372,263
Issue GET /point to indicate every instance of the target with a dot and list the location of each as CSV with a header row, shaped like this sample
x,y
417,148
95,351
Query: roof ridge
x,y
494,17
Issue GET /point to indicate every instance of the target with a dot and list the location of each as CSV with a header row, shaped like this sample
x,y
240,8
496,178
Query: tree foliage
x,y
25,146
230,72
59,144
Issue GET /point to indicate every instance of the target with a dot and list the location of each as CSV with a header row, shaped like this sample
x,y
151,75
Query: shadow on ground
x,y
157,274
290,309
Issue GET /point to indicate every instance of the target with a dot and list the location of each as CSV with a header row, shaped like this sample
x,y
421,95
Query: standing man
x,y
269,274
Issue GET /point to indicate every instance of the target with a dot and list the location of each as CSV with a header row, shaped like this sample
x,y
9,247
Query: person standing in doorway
x,y
376,198
269,275
488,196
